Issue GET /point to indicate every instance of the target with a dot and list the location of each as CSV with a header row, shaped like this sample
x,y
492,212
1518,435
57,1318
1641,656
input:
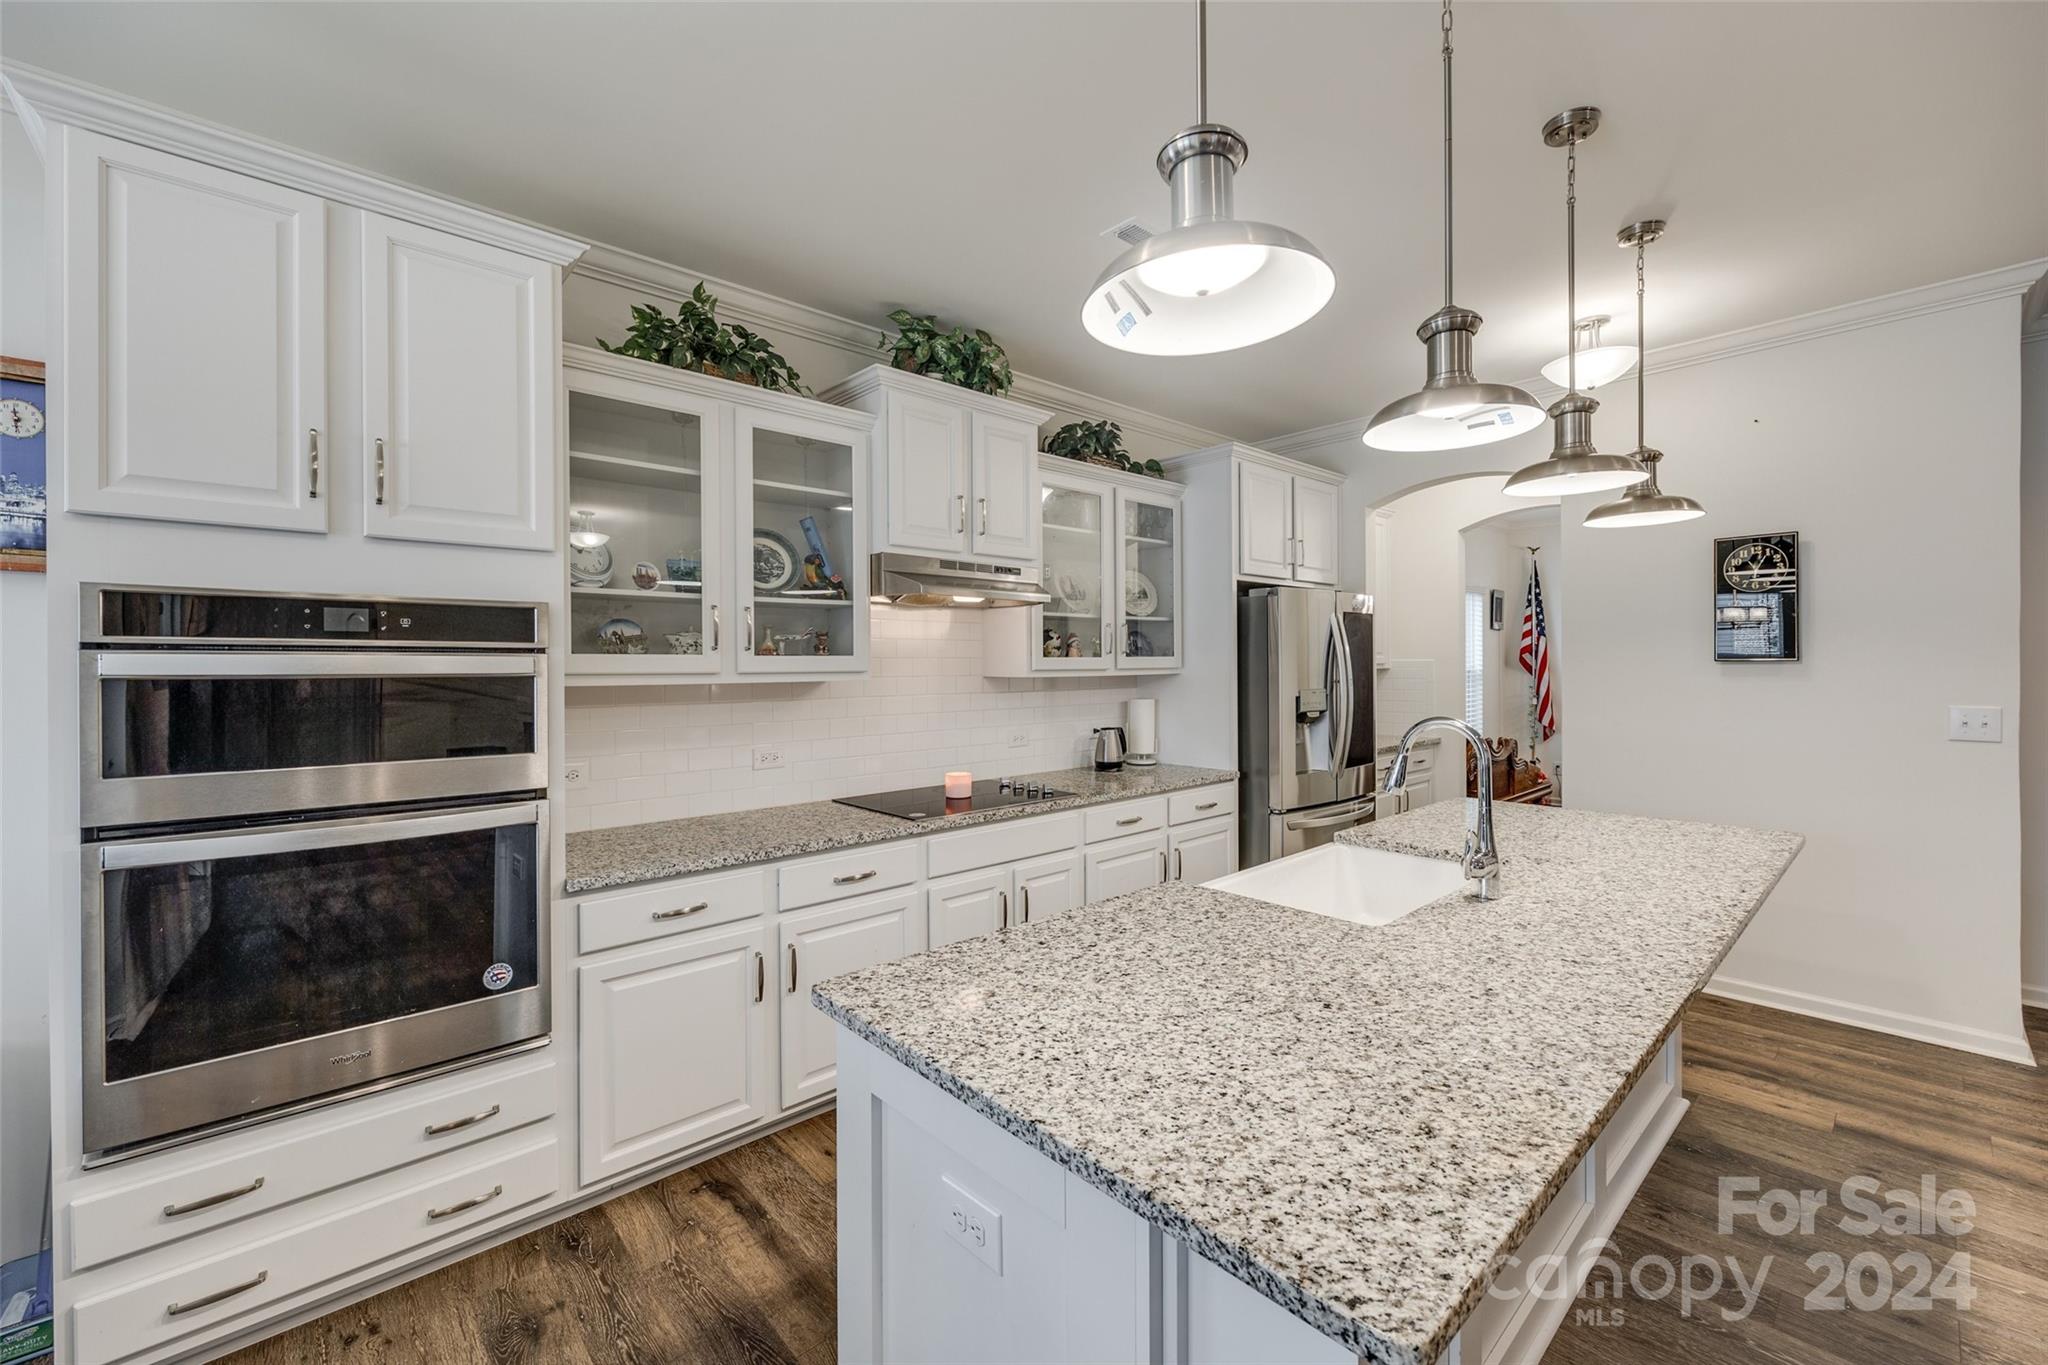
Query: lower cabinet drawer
x,y
174,1196
670,908
1203,803
1008,842
844,875
290,1254
1126,817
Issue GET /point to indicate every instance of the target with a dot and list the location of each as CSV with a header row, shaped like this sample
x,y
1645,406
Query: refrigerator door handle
x,y
1350,815
1343,697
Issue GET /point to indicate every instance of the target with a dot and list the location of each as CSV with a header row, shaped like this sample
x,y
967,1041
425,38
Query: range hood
x,y
920,581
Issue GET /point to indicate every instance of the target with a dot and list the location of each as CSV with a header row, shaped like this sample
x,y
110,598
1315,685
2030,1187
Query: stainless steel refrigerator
x,y
1305,736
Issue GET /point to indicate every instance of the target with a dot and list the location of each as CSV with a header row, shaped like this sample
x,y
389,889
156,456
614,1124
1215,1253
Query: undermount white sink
x,y
1343,881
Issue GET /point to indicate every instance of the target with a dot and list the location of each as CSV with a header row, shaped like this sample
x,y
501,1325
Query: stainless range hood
x,y
920,581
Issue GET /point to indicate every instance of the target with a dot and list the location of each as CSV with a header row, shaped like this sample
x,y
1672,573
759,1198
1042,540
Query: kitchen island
x,y
1189,1123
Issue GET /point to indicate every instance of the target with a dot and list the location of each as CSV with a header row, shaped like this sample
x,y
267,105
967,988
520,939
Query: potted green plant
x,y
694,339
972,360
1099,443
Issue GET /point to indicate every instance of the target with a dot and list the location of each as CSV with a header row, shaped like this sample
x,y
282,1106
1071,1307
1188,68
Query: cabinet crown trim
x,y
1237,453
861,383
1081,469
590,360
62,100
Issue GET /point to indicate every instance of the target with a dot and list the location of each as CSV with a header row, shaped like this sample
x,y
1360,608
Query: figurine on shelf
x,y
767,646
1054,647
1074,646
824,643
818,571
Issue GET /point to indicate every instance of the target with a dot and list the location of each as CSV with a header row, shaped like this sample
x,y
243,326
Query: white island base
x,y
960,1243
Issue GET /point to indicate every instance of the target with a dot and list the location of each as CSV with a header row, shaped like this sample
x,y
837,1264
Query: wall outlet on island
x,y
1977,724
576,776
767,756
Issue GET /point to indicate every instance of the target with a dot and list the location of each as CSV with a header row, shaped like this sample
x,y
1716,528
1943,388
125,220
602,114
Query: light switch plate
x,y
972,1224
1977,724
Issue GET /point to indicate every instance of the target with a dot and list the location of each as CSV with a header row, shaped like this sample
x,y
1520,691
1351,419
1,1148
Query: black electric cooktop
x,y
930,803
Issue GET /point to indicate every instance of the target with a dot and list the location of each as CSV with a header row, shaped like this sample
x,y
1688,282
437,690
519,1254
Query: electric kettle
x,y
1109,749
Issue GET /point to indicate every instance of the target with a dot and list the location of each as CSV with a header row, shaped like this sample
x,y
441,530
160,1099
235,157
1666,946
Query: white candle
x,y
959,786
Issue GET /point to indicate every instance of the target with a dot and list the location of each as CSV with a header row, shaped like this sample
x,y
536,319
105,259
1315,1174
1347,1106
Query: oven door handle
x,y
340,834
243,664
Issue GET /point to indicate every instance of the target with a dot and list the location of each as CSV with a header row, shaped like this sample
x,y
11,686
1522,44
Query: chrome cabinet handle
x,y
213,1200
1131,820
961,499
313,458
457,1125
983,508
1176,865
850,878
1105,639
380,471
792,969
1003,914
681,911
178,1310
1024,903
1162,864
714,630
750,630
760,978
1205,805
467,1204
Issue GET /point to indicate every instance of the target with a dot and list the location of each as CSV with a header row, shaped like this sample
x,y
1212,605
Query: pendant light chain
x,y
1449,221
1571,264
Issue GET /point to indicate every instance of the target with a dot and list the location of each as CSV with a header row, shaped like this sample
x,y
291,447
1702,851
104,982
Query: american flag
x,y
1535,654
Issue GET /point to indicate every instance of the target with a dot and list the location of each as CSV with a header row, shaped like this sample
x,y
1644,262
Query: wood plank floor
x,y
732,1261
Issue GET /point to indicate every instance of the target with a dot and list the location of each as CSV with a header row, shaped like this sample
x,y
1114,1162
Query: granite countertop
x,y
1353,1120
1389,747
624,854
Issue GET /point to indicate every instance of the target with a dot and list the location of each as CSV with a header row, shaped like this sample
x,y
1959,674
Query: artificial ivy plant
x,y
694,339
1099,443
973,360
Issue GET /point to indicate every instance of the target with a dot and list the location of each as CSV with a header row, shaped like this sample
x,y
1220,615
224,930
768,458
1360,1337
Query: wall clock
x,y
1756,598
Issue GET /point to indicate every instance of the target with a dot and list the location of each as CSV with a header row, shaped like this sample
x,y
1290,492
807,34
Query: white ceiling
x,y
962,158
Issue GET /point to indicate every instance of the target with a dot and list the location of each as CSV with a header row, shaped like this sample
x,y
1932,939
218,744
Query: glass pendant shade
x,y
1644,504
1574,466
1212,282
1597,364
1452,410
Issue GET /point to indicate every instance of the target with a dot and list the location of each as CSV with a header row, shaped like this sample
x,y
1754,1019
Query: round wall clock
x,y
19,418
1756,566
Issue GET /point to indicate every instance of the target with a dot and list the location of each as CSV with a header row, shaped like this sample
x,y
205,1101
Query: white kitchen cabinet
x,y
1205,851
459,376
1287,523
815,946
1149,626
803,571
1125,865
968,906
195,340
1047,888
674,1047
1315,530
954,472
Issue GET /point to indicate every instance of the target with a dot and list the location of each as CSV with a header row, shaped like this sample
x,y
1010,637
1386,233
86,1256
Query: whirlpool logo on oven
x,y
359,1055
497,976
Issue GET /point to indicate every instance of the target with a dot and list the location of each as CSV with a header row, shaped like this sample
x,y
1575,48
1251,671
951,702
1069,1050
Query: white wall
x,y
663,753
1496,558
2033,719
25,915
1893,449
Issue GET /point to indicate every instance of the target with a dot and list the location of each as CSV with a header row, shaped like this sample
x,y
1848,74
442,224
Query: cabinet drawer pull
x,y
681,911
466,1205
1003,914
792,969
1206,805
1130,820
983,508
760,978
1176,864
380,471
850,878
457,1125
178,1310
961,499
1024,904
313,461
213,1200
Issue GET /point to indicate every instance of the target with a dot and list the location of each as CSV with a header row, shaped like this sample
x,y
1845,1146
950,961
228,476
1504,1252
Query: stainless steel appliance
x,y
1109,749
930,803
924,581
1304,718
315,847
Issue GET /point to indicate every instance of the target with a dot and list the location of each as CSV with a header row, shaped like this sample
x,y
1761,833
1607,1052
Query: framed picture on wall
x,y
24,476
1756,598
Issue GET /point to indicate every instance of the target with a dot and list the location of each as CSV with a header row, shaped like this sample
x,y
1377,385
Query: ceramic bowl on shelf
x,y
685,569
686,642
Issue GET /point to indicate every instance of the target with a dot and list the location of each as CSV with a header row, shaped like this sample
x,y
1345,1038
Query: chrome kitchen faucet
x,y
1482,861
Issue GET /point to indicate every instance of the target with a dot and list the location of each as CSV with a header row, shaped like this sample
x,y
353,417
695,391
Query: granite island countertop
x,y
1353,1120
624,854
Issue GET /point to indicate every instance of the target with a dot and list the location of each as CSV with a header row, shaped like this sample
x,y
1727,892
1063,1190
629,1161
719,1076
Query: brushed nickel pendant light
x,y
1643,504
1211,282
1452,410
1574,465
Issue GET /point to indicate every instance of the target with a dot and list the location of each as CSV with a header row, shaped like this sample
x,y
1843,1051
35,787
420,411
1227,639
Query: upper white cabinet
x,y
459,351
955,472
1286,524
195,339
201,308
1315,530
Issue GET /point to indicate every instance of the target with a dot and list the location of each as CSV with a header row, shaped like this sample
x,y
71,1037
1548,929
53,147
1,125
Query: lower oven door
x,y
228,974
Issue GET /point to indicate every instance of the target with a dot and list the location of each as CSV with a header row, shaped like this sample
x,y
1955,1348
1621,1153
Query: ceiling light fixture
x,y
1210,282
1574,465
1598,364
1645,504
1451,410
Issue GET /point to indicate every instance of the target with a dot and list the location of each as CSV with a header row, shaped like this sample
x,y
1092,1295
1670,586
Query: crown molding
x,y
31,120
62,100
2028,279
877,376
590,360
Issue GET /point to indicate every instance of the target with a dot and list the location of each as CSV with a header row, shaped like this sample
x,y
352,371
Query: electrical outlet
x,y
1977,724
1020,739
767,756
973,1224
576,776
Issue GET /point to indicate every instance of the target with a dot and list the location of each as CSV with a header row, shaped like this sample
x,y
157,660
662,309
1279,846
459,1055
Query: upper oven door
x,y
207,734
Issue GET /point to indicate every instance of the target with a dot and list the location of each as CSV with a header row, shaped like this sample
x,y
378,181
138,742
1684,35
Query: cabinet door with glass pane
x,y
1148,633
802,551
1073,633
647,552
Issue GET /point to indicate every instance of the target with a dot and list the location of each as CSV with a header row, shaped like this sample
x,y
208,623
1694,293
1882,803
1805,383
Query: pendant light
x,y
1452,410
1574,466
1597,364
1211,282
1645,504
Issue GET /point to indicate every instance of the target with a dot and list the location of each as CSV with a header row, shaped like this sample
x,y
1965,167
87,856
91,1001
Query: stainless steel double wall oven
x,y
315,845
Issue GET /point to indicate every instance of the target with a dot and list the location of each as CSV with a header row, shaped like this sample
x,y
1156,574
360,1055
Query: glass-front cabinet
x,y
1148,633
714,530
1080,557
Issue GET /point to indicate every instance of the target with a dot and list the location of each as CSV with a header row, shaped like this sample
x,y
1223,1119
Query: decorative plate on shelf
x,y
590,566
1072,595
775,562
1141,598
